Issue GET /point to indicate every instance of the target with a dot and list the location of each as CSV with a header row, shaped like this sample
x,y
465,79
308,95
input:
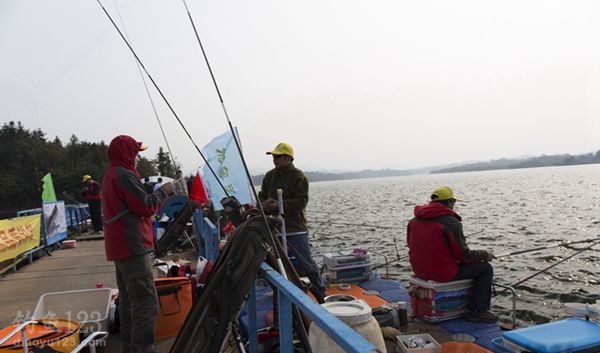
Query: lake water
x,y
502,211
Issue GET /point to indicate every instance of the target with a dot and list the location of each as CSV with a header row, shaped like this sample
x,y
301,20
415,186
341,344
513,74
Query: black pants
x,y
482,274
96,214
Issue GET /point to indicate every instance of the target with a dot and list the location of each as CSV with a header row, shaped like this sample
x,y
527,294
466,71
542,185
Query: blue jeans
x,y
299,249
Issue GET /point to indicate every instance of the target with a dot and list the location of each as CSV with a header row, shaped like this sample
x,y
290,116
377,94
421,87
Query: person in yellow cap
x,y
438,252
294,184
91,192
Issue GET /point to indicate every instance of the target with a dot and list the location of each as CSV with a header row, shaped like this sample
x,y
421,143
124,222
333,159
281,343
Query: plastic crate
x,y
90,307
438,301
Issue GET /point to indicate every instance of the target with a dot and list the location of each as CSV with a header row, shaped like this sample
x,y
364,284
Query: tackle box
x,y
345,258
403,343
572,335
438,301
355,273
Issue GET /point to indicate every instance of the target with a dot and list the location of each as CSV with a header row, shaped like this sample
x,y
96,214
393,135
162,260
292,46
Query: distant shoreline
x,y
497,164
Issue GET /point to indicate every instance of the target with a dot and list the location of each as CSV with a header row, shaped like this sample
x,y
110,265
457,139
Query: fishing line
x,y
137,65
235,137
553,265
162,95
245,165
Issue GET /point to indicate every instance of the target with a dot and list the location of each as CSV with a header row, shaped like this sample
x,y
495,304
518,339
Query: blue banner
x,y
224,158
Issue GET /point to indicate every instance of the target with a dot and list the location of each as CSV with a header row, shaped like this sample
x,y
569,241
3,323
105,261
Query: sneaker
x,y
481,316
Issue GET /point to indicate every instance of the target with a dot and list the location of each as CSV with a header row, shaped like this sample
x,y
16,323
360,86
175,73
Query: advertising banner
x,y
55,222
18,235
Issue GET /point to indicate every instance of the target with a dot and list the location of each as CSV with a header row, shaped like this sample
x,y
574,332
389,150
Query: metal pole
x,y
282,218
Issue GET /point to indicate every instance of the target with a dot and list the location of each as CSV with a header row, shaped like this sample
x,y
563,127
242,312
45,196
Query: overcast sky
x,y
349,84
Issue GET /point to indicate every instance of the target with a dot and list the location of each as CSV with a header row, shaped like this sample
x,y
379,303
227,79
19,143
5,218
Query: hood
x,y
433,210
122,152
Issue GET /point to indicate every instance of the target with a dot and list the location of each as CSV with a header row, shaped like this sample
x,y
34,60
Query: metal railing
x,y
288,294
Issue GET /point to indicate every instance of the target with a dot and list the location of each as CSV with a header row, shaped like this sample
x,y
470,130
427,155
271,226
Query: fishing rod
x,y
164,98
555,264
234,135
137,65
565,243
303,336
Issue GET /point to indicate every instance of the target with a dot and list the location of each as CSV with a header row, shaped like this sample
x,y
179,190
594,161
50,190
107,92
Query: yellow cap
x,y
86,178
443,193
283,148
142,147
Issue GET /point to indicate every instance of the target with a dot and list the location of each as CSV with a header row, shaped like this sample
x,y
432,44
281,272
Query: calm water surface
x,y
502,211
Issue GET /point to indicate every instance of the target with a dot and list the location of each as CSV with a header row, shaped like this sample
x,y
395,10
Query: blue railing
x,y
288,294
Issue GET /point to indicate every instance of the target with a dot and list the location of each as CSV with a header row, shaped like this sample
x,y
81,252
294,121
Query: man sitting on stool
x,y
438,252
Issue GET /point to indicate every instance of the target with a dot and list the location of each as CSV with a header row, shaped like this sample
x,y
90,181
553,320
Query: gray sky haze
x,y
349,84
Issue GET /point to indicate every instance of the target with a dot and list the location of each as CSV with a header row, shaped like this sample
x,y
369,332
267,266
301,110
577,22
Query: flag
x,y
48,194
198,193
225,160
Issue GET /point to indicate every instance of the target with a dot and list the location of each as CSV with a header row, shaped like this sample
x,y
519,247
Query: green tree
x,y
163,163
146,167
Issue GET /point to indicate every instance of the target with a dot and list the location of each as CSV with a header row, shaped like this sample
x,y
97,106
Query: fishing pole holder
x,y
514,300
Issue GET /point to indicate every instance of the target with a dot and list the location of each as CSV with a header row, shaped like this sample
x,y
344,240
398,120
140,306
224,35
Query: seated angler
x,y
438,252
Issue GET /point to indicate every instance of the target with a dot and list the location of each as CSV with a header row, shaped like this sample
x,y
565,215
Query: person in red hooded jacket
x,y
128,241
438,252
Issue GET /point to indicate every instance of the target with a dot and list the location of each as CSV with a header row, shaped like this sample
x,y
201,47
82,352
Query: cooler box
x,y
571,335
438,301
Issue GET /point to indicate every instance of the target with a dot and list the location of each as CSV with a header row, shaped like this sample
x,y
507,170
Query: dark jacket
x,y
131,234
294,184
437,244
92,192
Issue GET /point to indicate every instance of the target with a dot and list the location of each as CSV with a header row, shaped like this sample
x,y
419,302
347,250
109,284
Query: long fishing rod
x,y
235,137
162,95
555,264
137,65
565,243
245,165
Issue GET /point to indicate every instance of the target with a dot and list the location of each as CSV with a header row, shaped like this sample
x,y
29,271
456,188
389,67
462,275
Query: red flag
x,y
198,193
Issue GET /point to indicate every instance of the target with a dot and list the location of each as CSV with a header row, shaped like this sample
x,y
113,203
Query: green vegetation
x,y
27,155
533,162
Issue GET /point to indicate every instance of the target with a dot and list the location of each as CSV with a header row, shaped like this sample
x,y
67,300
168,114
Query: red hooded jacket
x,y
126,206
437,244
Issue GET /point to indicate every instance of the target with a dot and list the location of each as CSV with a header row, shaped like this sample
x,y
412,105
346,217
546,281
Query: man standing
x,y
128,242
91,192
438,252
294,184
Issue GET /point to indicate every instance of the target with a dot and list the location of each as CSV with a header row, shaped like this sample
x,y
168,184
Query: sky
x,y
351,85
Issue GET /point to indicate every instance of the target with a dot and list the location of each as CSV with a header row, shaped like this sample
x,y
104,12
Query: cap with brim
x,y
443,193
282,148
86,178
142,147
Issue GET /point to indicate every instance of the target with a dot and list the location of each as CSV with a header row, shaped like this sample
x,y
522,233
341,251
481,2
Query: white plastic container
x,y
357,315
90,307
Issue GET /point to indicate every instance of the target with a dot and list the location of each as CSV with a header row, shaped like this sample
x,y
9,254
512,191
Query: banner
x,y
18,235
223,156
55,222
48,194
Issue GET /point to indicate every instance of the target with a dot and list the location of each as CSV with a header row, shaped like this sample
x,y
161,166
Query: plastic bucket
x,y
355,314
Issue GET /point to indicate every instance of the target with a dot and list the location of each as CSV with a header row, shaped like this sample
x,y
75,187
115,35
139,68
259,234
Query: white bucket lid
x,y
352,313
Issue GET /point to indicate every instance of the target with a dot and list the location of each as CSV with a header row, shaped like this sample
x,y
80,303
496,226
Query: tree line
x,y
27,155
532,162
